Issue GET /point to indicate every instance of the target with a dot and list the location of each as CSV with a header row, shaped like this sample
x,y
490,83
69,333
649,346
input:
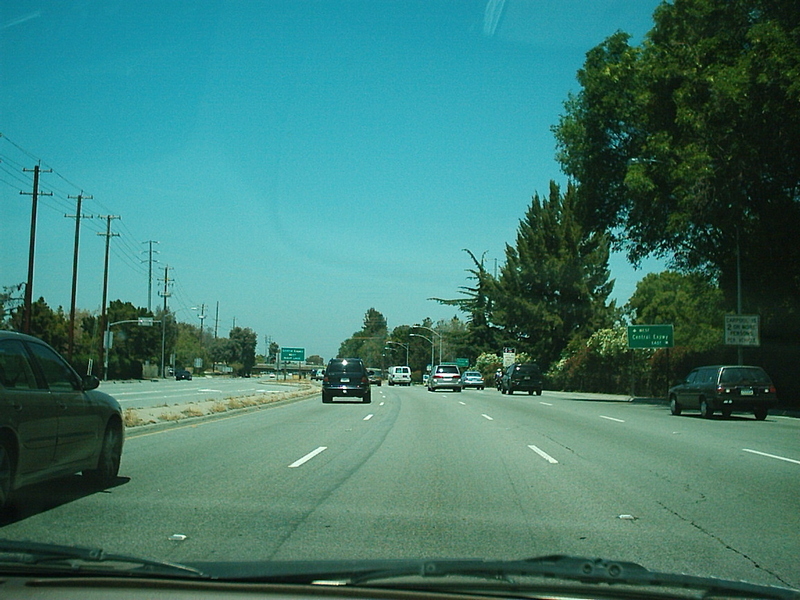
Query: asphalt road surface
x,y
472,474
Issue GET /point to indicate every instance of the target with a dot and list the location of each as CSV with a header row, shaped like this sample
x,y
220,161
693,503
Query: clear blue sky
x,y
298,161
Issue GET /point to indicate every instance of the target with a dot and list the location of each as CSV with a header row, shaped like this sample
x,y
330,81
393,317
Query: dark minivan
x,y
526,377
346,377
724,388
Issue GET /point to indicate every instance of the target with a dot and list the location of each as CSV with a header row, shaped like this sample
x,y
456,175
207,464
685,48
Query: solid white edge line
x,y
612,419
307,457
369,416
487,417
791,460
543,454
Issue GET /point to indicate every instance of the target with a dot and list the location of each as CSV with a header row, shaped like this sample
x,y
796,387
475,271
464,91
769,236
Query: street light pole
x,y
434,332
425,338
399,344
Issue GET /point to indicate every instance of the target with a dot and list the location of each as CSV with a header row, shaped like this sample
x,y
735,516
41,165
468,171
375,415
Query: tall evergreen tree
x,y
481,335
554,285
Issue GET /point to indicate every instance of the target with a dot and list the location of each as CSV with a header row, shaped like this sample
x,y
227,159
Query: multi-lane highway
x,y
472,474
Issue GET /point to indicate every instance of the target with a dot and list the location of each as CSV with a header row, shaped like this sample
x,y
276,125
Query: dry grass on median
x,y
135,417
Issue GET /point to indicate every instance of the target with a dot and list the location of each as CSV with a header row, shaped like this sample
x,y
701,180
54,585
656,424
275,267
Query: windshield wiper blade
x,y
76,558
594,571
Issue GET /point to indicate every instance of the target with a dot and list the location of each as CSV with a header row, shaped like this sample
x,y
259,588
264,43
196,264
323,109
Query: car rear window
x,y
447,369
346,367
736,375
528,368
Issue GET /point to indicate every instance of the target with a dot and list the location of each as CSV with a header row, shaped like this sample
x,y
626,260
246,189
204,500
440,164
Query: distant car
x,y
317,374
182,374
724,388
526,377
472,379
444,377
53,422
346,377
375,377
399,375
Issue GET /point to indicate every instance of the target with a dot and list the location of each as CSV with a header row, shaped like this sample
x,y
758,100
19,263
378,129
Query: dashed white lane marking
x,y
612,419
791,460
307,457
546,403
543,454
368,417
462,403
487,417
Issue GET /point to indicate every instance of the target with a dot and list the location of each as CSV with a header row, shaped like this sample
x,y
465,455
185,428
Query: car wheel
x,y
674,407
760,412
326,398
110,456
726,412
6,473
458,389
538,392
530,392
510,390
367,399
705,409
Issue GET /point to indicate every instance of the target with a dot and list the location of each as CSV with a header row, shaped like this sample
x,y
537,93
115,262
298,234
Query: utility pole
x,y
216,321
103,317
150,274
165,295
202,320
26,314
77,216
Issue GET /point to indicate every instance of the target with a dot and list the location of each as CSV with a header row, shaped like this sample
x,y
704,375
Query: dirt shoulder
x,y
136,418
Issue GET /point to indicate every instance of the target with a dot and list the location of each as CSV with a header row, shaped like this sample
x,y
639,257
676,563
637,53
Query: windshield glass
x,y
202,203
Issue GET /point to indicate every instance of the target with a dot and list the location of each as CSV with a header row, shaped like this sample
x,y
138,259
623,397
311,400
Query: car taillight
x,y
722,389
772,389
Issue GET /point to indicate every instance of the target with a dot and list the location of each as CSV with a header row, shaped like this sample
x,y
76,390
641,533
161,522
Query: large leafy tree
x,y
689,146
554,285
369,341
243,343
687,301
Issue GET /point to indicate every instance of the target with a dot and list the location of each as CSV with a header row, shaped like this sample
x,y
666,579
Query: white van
x,y
400,375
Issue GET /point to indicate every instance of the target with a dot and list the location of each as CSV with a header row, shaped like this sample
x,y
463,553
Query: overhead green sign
x,y
293,354
462,362
650,336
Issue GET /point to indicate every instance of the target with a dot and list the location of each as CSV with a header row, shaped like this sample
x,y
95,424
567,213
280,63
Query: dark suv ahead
x,y
346,377
526,377
724,388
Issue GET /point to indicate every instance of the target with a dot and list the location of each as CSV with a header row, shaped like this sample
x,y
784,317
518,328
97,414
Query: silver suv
x,y
444,377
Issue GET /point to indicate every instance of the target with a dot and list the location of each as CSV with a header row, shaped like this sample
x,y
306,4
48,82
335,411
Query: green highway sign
x,y
650,336
462,362
293,354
